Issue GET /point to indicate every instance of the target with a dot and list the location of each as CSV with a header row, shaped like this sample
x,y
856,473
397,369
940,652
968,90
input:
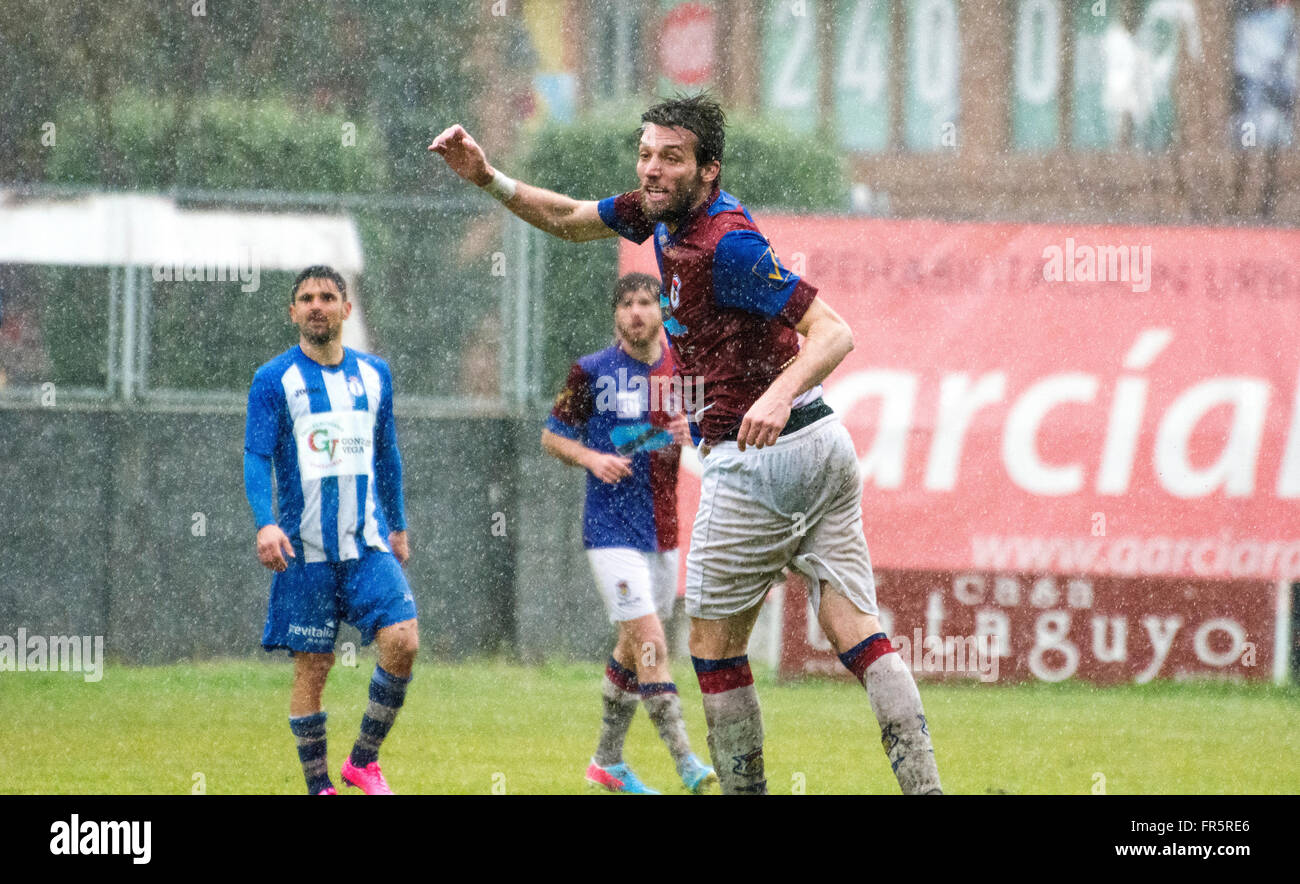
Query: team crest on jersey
x,y
623,589
355,387
769,269
670,304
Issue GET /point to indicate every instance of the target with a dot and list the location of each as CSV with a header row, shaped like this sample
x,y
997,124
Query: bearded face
x,y
637,318
672,183
671,202
318,309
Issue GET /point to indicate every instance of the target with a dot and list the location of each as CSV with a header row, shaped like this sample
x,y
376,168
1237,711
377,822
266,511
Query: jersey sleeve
x,y
573,407
257,488
262,425
622,214
388,459
747,275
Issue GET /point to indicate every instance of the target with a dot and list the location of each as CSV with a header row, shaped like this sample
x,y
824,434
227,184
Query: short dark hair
x,y
700,114
319,271
633,282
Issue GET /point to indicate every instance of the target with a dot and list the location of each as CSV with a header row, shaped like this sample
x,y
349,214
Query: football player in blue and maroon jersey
x,y
620,418
780,486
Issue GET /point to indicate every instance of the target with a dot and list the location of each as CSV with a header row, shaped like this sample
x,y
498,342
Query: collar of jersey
x,y
663,353
303,354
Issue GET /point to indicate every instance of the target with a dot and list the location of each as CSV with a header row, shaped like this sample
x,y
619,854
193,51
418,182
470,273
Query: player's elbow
x,y
839,336
847,336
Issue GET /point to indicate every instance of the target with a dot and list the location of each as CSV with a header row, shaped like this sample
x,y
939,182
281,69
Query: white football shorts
x,y
794,504
634,583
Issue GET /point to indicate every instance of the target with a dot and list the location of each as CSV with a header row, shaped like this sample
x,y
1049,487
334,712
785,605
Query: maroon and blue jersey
x,y
730,307
616,404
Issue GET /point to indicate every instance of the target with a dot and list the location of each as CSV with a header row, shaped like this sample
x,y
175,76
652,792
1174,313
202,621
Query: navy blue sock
x,y
309,731
387,693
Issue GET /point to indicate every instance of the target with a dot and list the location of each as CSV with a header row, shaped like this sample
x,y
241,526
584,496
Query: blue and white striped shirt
x,y
329,432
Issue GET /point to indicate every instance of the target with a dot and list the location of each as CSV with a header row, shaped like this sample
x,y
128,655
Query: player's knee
x,y
405,644
625,647
708,642
645,630
411,643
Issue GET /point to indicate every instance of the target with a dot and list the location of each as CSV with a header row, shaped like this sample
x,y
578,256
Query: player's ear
x,y
711,170
347,308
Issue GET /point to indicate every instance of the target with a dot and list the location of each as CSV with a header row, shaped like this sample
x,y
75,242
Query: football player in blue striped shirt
x,y
322,415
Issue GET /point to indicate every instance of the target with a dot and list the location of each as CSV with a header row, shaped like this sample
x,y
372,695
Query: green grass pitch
x,y
485,727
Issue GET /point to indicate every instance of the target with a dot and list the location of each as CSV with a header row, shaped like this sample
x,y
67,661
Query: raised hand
x,y
463,155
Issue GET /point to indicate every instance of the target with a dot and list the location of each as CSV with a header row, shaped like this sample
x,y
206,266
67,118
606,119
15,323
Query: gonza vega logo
x,y
325,440
334,443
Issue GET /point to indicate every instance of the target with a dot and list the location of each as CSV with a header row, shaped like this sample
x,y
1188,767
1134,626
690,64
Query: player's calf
x,y
309,734
310,672
897,707
620,696
735,724
387,694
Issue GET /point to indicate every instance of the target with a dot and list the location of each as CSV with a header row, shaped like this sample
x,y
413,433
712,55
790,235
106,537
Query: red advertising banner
x,y
1018,627
1116,403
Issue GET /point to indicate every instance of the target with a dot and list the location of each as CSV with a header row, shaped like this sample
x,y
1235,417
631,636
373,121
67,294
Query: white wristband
x,y
501,187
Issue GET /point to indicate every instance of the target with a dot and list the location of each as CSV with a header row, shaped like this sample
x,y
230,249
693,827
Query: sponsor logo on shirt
x,y
335,443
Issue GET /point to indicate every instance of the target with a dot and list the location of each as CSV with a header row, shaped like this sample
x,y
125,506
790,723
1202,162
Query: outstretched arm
x,y
554,213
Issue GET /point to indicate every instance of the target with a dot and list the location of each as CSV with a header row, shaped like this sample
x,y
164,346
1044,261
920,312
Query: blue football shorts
x,y
308,601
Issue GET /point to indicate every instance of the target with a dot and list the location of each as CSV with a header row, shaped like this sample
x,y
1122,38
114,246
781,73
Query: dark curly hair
x,y
700,114
319,271
634,282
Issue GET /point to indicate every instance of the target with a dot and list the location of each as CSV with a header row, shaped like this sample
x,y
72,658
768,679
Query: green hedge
x,y
217,143
765,166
